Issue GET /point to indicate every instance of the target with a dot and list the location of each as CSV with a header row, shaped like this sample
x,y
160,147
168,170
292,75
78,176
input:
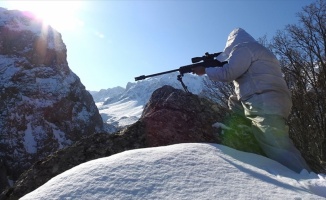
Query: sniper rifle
x,y
208,60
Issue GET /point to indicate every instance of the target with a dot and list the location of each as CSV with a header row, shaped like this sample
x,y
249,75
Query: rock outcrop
x,y
171,116
44,106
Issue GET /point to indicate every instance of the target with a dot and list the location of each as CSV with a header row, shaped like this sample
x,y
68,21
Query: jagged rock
x,y
171,116
44,106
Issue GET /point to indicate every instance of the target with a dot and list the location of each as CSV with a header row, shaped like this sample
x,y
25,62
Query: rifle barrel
x,y
151,75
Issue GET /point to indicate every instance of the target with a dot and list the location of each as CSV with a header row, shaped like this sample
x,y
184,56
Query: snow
x,y
220,125
29,141
6,70
182,171
123,112
82,115
60,137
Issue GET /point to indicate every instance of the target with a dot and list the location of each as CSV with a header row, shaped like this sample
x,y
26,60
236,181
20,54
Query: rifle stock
x,y
157,74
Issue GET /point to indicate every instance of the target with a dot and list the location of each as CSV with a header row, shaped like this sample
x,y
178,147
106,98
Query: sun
x,y
61,15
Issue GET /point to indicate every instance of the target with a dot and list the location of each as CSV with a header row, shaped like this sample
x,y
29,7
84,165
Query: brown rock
x,y
174,116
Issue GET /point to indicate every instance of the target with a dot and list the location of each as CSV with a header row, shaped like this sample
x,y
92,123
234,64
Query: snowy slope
x,y
125,108
182,171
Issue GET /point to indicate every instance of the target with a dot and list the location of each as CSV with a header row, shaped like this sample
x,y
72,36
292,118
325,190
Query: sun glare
x,y
61,15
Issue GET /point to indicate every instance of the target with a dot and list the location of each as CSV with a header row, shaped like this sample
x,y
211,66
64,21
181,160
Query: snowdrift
x,y
182,171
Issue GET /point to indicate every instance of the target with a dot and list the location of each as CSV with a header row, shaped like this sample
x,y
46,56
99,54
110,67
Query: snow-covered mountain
x,y
109,93
44,106
120,107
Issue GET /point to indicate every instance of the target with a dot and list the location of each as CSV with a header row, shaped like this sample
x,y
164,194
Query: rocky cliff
x,y
44,106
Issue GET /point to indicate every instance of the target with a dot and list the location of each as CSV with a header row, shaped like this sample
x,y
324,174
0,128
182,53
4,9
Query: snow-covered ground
x,y
182,171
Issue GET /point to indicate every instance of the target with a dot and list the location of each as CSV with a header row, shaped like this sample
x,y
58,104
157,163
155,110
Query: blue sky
x,y
111,42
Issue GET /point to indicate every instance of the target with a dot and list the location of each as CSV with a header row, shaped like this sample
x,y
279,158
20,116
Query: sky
x,y
110,42
182,171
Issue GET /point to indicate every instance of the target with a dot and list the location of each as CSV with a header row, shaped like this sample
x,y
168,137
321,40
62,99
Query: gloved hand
x,y
199,70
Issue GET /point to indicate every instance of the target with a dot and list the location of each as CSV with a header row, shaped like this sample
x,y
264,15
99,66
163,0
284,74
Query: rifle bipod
x,y
183,85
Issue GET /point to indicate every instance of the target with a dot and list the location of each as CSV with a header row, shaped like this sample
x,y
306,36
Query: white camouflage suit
x,y
262,95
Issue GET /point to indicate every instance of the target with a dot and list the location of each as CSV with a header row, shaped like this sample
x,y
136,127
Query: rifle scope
x,y
206,57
